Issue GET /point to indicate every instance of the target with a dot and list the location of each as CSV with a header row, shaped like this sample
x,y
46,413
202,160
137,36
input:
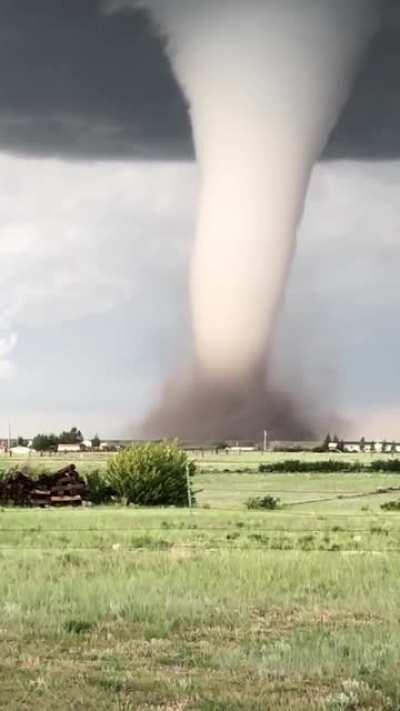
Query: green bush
x,y
391,506
151,475
339,465
100,491
268,503
385,465
297,466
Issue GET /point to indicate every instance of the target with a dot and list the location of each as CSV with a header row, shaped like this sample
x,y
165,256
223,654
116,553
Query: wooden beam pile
x,y
64,488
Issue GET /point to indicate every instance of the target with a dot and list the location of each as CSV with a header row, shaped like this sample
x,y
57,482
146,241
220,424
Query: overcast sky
x,y
94,252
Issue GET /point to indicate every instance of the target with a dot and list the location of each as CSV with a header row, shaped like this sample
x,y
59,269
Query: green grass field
x,y
206,459
218,608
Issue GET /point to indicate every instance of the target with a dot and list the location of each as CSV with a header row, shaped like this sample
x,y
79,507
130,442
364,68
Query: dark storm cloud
x,y
370,126
76,83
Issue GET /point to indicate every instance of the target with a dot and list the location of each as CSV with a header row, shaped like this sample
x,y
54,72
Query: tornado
x,y
265,82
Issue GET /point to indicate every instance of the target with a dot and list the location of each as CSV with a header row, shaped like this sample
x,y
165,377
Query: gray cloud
x,y
78,84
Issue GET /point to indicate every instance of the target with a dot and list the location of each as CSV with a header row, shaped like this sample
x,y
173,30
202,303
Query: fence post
x,y
189,492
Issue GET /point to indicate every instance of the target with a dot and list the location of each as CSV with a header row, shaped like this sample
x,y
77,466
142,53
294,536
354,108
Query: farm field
x,y
218,608
252,460
207,460
228,481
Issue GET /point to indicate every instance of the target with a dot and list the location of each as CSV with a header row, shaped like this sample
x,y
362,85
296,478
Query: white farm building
x,y
68,448
377,447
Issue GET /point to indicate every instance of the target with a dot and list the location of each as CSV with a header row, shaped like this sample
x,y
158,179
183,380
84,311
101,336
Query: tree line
x,y
49,442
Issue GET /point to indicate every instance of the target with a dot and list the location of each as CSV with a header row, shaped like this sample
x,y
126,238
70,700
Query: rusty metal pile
x,y
63,488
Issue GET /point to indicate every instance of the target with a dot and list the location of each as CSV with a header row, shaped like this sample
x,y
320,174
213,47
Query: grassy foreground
x,y
130,609
214,609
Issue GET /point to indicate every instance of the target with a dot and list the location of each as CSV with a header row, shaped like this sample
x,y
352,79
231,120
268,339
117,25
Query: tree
x,y
221,447
96,442
327,441
45,442
21,442
153,474
362,444
74,436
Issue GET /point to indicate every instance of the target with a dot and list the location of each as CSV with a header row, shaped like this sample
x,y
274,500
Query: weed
x,y
78,626
267,503
391,505
233,536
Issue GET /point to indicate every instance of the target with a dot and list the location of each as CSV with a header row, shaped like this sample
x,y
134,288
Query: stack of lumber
x,y
16,489
64,488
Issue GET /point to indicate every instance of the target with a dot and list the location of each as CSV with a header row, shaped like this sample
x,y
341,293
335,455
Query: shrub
x,y
391,506
298,466
268,503
293,450
385,465
152,474
77,626
100,491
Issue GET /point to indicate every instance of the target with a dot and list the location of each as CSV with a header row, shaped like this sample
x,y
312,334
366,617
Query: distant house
x,y
390,447
87,444
377,447
106,447
344,447
353,447
20,451
69,448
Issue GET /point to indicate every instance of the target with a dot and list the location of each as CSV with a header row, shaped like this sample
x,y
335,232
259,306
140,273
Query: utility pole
x,y
189,490
9,439
265,445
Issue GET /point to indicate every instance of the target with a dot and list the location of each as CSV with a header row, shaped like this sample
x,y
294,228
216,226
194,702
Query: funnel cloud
x,y
265,83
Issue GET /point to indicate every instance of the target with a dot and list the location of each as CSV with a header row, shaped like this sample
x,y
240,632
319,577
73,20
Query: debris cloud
x,y
202,411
